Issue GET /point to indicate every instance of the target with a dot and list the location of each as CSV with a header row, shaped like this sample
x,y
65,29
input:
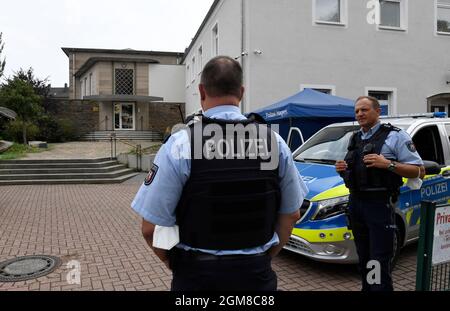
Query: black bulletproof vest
x,y
360,178
229,203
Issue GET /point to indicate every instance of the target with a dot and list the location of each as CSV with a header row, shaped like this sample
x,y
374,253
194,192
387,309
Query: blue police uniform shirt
x,y
156,203
397,146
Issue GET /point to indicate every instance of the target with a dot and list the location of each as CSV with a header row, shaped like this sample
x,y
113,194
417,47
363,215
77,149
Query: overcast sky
x,y
35,30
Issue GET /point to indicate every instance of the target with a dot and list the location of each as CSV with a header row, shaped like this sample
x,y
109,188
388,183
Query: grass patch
x,y
19,151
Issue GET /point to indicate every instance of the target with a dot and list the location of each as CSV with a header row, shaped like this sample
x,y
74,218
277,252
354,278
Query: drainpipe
x,y
243,53
73,77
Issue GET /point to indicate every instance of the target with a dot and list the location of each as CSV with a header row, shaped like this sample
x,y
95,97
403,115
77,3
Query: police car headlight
x,y
331,207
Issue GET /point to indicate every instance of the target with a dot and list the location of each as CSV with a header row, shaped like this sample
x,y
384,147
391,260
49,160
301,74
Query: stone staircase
x,y
126,135
67,171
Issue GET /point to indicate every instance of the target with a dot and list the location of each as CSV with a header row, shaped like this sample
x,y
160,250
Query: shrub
x,y
48,128
56,130
13,131
68,130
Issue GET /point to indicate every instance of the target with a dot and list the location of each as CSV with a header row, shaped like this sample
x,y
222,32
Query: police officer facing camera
x,y
233,216
379,155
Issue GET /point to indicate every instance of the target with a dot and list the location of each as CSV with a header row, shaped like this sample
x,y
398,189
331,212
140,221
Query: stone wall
x,y
83,114
164,115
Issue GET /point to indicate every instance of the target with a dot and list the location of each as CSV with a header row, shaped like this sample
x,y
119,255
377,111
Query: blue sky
x,y
35,30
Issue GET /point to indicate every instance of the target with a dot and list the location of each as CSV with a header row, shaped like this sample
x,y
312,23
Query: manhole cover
x,y
27,268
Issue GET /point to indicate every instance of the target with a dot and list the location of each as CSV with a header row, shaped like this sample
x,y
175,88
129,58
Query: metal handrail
x,y
126,142
137,147
144,150
113,140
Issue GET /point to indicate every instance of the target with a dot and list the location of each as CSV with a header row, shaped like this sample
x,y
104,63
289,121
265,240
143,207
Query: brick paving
x,y
95,225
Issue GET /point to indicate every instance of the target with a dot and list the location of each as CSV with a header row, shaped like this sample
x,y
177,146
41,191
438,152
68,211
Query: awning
x,y
123,98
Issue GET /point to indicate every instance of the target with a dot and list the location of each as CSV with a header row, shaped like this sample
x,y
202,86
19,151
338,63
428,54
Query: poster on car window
x,y
441,242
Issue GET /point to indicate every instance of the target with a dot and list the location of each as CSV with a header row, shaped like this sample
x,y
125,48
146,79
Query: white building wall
x,y
167,81
296,51
352,57
227,16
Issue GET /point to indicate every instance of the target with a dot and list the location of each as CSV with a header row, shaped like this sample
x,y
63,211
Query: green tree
x,y
41,86
2,62
20,96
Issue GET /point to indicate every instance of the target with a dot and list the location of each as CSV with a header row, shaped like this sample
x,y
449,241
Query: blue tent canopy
x,y
309,103
310,111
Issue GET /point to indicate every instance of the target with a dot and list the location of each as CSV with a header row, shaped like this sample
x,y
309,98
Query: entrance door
x,y
439,103
124,116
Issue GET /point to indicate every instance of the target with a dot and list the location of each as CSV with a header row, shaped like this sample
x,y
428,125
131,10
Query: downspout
x,y
243,103
74,81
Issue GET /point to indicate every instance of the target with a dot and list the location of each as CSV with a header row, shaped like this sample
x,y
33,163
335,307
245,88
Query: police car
x,y
322,232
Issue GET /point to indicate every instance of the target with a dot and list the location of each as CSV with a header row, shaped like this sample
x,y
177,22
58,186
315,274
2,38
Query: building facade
x,y
342,47
127,90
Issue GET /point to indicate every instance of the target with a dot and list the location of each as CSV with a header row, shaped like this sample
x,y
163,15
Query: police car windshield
x,y
327,146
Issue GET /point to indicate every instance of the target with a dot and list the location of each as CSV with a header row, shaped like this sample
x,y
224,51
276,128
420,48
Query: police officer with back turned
x,y
379,155
233,216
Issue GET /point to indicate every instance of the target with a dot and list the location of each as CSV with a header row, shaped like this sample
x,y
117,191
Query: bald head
x,y
222,76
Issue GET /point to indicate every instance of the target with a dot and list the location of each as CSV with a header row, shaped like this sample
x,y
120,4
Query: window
x,y
393,14
443,16
383,97
124,81
215,40
200,59
437,108
387,97
330,144
326,89
439,103
329,11
447,129
428,144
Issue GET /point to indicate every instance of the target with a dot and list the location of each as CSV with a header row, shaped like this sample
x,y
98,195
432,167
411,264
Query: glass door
x,y
124,116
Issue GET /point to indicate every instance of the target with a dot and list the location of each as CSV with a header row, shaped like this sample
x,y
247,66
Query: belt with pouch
x,y
201,256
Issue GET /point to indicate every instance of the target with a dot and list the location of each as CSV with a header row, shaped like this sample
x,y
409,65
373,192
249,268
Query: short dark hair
x,y
373,100
222,76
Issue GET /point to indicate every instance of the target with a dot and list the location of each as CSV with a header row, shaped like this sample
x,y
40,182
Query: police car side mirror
x,y
431,168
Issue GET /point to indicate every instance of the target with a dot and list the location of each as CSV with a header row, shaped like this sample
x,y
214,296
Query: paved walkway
x,y
95,225
85,150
